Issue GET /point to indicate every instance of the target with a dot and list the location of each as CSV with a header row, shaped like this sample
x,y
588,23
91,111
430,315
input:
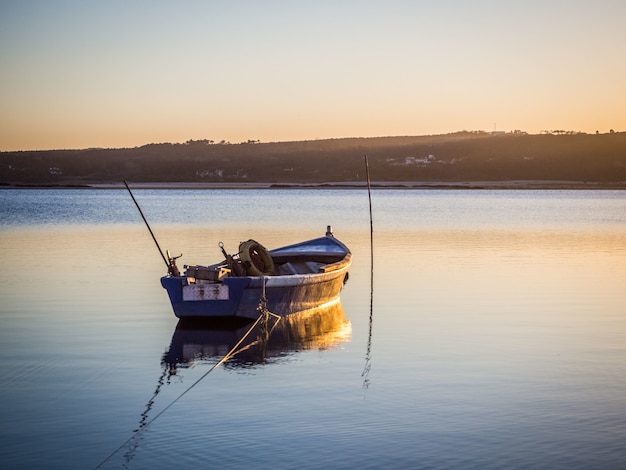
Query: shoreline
x,y
434,185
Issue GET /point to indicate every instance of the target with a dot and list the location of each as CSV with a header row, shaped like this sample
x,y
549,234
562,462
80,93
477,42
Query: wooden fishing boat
x,y
284,280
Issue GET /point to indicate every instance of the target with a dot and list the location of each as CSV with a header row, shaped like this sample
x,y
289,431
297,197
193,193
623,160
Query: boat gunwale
x,y
324,270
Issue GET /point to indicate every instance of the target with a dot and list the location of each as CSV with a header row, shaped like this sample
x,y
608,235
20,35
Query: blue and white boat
x,y
284,280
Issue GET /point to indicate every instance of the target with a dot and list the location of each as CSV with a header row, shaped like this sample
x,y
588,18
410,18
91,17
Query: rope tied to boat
x,y
265,313
262,321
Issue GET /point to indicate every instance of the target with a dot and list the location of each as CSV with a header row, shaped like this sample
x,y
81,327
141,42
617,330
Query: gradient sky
x,y
86,73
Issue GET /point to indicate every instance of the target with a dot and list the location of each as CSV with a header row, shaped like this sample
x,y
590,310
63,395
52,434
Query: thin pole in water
x,y
369,195
368,354
148,225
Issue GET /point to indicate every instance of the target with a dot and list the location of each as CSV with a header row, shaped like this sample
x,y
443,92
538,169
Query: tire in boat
x,y
256,258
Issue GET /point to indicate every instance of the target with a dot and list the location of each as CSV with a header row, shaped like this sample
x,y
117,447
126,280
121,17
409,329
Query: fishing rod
x,y
169,261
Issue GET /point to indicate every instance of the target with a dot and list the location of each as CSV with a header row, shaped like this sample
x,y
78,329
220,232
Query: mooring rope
x,y
264,315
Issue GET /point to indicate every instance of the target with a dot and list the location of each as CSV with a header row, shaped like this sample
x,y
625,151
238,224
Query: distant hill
x,y
462,156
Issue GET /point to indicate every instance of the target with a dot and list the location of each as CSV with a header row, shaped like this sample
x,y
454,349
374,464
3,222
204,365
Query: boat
x,y
209,339
283,280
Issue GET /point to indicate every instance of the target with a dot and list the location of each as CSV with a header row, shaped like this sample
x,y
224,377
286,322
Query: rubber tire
x,y
256,258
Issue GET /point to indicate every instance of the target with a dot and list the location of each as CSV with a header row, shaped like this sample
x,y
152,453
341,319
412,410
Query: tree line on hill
x,y
462,156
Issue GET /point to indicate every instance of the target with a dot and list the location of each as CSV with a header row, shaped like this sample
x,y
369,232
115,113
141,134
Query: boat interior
x,y
284,265
303,264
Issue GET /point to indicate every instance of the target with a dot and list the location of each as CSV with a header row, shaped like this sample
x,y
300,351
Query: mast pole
x,y
149,229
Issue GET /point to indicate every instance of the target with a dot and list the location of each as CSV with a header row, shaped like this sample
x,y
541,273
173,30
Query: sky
x,y
111,74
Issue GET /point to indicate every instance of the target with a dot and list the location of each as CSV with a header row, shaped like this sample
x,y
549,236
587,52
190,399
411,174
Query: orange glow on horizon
x,y
111,78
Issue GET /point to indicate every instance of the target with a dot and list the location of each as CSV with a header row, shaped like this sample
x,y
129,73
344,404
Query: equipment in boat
x,y
295,277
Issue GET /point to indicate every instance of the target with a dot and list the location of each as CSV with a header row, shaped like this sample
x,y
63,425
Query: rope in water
x,y
265,313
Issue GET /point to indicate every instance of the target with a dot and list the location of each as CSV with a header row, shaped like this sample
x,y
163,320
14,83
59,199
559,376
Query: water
x,y
496,337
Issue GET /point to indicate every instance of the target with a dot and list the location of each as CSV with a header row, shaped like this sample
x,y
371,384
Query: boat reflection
x,y
213,340
319,328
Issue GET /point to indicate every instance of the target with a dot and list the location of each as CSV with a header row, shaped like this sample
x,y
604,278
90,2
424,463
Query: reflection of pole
x,y
132,448
368,354
144,423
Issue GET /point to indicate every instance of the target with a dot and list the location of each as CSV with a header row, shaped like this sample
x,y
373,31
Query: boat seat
x,y
312,266
301,267
287,268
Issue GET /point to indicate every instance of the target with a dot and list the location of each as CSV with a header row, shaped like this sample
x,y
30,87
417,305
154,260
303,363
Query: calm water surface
x,y
496,337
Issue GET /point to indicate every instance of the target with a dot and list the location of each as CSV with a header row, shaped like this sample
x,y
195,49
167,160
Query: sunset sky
x,y
80,74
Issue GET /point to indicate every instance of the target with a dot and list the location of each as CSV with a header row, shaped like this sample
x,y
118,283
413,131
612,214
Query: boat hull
x,y
241,296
